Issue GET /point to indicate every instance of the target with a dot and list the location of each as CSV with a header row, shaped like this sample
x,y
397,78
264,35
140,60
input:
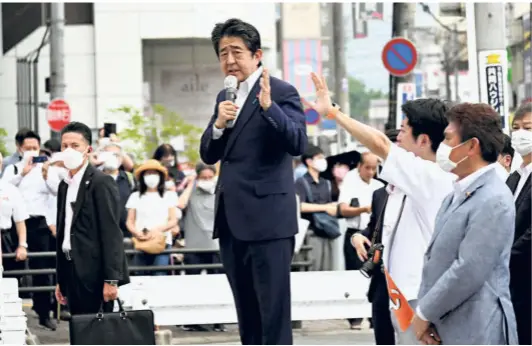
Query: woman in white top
x,y
151,210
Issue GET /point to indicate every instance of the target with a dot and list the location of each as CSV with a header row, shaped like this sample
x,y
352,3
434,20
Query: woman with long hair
x,y
152,212
167,156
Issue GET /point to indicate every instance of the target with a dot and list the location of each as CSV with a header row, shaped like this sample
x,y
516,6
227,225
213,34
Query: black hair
x,y
480,121
80,128
164,150
200,166
310,153
143,187
507,149
20,136
392,134
52,145
522,111
30,134
236,28
427,116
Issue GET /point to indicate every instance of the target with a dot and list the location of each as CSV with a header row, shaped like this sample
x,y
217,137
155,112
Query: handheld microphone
x,y
230,85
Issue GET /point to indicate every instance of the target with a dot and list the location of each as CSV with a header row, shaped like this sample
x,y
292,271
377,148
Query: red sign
x,y
58,114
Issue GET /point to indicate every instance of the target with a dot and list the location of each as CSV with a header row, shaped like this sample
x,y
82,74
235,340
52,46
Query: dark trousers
x,y
523,314
202,258
38,235
259,276
382,323
351,262
81,300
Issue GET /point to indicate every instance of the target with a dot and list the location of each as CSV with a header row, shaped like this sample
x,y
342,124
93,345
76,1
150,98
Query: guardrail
x,y
299,265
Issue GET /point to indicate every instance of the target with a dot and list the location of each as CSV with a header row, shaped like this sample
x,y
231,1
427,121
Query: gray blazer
x,y
465,283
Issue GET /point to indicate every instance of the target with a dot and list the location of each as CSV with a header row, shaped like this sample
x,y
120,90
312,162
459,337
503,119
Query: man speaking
x,y
255,133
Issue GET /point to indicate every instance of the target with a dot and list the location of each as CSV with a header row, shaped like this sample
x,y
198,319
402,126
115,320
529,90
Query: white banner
x,y
405,92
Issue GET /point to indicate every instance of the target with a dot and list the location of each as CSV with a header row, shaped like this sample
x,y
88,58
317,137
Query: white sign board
x,y
493,73
405,92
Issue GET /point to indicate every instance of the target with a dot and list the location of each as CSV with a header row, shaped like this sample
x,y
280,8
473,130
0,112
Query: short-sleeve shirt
x,y
152,210
12,205
321,193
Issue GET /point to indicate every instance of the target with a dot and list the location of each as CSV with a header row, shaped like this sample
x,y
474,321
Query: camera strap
x,y
396,226
378,225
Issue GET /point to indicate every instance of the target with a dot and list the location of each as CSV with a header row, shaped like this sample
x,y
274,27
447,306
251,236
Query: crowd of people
x,y
433,215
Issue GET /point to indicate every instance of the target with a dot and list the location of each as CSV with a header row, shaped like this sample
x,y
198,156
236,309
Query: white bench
x,y
207,299
13,321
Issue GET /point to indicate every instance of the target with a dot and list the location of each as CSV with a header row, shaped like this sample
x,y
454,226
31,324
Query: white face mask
x,y
501,171
30,153
72,158
522,141
152,180
208,186
320,165
443,159
169,184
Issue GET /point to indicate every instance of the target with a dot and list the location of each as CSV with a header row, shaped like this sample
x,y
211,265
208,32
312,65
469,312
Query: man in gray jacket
x,y
464,291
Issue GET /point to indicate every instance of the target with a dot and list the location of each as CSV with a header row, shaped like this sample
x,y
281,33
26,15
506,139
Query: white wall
x,y
79,77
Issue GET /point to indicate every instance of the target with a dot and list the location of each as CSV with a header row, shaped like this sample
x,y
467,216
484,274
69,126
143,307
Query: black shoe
x,y
47,323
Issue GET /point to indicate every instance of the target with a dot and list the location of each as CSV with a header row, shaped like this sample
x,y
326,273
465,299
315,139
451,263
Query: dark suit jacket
x,y
520,260
97,242
256,179
377,292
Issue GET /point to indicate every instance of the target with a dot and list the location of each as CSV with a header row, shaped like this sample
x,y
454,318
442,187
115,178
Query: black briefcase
x,y
113,328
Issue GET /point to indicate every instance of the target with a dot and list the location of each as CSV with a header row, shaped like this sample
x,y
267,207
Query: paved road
x,y
335,332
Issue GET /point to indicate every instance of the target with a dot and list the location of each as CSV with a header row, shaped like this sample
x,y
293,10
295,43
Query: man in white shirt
x,y
411,171
356,194
520,261
27,176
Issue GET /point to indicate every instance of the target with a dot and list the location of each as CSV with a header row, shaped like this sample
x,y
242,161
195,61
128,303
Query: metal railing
x,y
299,265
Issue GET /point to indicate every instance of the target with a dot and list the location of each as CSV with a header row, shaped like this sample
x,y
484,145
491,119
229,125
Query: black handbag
x,y
325,225
113,328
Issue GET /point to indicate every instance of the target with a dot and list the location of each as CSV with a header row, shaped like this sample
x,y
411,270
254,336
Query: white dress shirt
x,y
71,196
241,96
33,187
426,185
12,205
524,172
354,187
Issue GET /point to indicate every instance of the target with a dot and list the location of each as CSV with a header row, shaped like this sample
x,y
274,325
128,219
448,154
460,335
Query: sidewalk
x,y
321,332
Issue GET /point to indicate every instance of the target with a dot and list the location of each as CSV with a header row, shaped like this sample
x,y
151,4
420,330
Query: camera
x,y
374,260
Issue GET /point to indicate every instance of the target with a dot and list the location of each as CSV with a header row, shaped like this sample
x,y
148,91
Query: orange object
x,y
403,311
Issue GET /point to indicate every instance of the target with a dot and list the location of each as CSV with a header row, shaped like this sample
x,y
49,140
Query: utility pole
x,y
340,74
57,53
403,20
1,42
491,39
456,57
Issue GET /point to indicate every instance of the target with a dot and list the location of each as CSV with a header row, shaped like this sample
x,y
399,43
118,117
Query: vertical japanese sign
x,y
527,56
493,72
405,92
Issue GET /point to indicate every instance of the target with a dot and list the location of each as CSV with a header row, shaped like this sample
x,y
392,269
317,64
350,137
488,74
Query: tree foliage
x,y
3,147
359,99
148,132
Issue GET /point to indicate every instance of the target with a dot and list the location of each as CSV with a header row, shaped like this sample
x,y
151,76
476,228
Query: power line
x,y
427,10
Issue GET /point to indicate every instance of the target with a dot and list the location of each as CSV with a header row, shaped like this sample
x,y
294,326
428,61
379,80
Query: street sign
x,y
312,116
405,92
58,114
399,56
493,72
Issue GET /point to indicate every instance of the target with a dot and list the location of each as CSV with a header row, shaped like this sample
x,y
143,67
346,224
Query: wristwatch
x,y
24,245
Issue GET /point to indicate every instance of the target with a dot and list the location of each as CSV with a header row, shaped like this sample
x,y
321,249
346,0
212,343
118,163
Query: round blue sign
x,y
312,116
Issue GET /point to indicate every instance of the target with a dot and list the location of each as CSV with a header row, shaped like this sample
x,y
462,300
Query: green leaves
x,y
359,98
3,148
158,126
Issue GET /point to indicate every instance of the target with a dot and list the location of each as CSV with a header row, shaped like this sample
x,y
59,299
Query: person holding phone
x,y
27,176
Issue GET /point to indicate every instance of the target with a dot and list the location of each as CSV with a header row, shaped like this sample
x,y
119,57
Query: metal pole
x,y
35,66
403,20
456,56
340,74
57,53
447,66
491,36
1,46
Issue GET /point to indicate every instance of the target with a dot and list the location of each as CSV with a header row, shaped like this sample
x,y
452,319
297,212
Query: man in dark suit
x,y
255,137
520,260
91,262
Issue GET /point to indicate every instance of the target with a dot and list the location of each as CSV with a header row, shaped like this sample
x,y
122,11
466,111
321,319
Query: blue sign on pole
x,y
399,56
